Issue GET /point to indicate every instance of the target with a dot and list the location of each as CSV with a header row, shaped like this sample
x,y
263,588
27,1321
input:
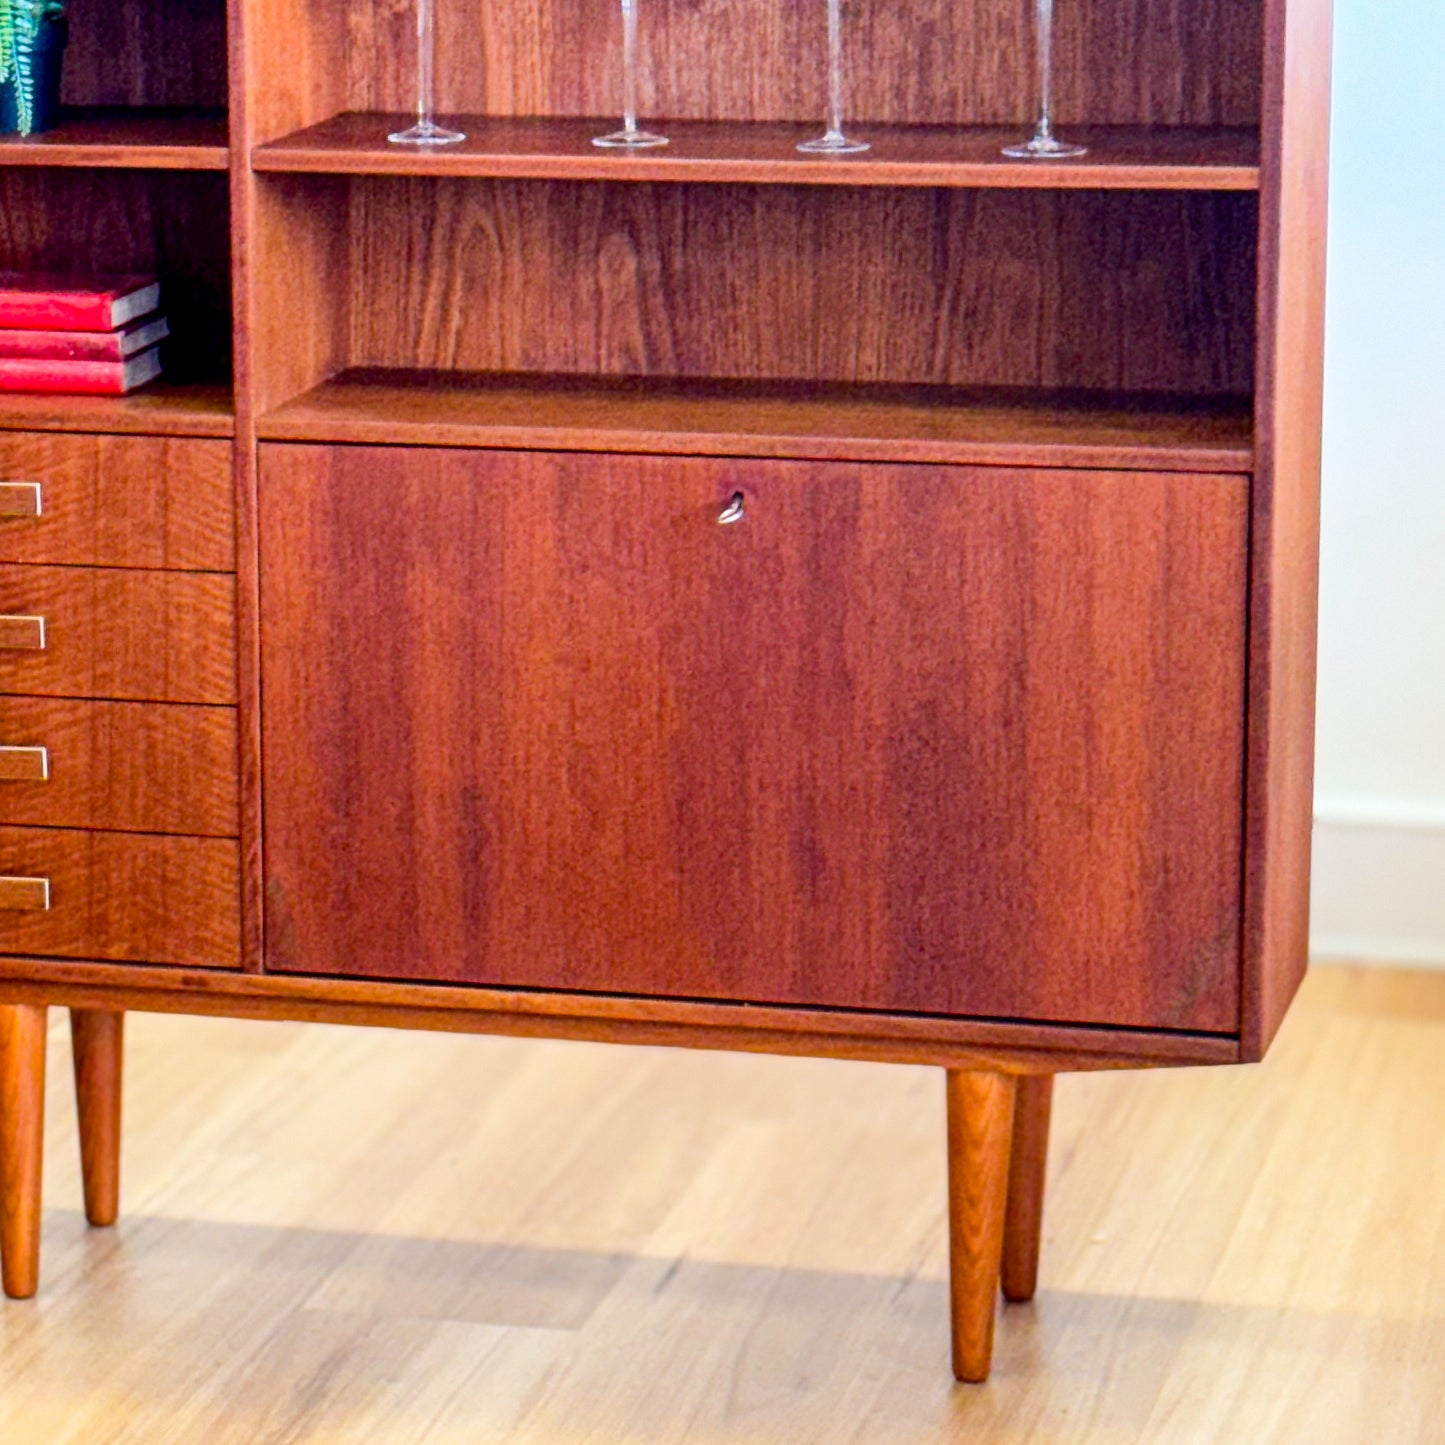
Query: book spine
x,y
56,311
84,378
61,346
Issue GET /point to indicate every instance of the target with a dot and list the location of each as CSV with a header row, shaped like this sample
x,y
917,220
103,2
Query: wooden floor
x,y
345,1236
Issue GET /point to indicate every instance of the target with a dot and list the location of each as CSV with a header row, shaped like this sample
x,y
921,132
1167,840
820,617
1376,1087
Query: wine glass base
x,y
834,143
631,140
1044,148
426,133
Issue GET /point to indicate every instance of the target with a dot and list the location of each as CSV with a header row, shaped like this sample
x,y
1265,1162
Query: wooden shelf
x,y
781,419
137,139
1119,158
161,409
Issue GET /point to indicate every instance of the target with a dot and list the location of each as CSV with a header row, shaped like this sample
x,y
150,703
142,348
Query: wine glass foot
x,y
833,143
426,133
1045,148
629,139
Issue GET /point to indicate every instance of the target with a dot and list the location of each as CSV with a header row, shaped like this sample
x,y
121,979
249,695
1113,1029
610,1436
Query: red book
x,y
75,303
85,345
80,378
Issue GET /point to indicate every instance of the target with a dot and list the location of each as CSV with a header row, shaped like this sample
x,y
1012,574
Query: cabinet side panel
x,y
1285,548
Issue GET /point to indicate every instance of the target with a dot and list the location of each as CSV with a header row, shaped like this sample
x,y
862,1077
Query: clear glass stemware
x,y
1044,144
833,141
629,137
426,132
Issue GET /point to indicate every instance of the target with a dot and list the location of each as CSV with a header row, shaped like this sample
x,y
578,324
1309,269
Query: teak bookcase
x,y
398,672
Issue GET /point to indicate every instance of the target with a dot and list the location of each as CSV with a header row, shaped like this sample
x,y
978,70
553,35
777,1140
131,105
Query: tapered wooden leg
x,y
97,1044
980,1136
22,1129
1024,1220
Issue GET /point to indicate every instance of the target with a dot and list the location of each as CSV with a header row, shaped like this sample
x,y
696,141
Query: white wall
x,y
1379,878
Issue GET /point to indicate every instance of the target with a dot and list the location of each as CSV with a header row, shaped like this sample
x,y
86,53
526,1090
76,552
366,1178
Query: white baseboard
x,y
1378,883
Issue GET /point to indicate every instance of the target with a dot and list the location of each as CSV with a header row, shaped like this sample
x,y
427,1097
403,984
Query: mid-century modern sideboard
x,y
712,596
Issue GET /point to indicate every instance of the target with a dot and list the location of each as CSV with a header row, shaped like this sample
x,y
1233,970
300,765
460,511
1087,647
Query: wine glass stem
x,y
835,67
426,41
629,65
1046,67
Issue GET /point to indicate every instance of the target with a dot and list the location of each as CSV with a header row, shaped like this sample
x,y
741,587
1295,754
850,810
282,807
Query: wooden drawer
x,y
912,738
116,501
126,897
116,633
137,767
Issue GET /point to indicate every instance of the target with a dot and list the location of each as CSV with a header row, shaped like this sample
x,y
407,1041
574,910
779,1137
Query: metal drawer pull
x,y
27,894
22,634
24,764
20,499
735,510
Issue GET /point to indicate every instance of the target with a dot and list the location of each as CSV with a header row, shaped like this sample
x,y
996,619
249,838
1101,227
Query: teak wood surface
x,y
123,633
1137,158
121,501
539,720
97,1047
993,427
983,740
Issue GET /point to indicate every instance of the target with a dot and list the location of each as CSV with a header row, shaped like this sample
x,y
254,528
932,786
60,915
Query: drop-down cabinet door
x,y
912,738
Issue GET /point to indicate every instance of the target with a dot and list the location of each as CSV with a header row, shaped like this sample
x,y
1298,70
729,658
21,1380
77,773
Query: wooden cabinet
x,y
716,596
927,739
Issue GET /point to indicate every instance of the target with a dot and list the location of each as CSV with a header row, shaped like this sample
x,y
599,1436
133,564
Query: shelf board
x,y
161,409
142,139
779,419
1119,158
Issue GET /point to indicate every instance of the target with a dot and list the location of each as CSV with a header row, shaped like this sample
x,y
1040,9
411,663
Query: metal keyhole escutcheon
x,y
734,512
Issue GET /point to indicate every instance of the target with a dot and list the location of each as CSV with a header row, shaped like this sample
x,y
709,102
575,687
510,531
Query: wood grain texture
x,y
980,1133
1285,526
98,1045
163,408
778,419
113,501
145,53
1122,158
104,137
296,319
1028,1161
1005,1047
175,224
1150,62
131,766
127,897
891,743
22,1139
1121,292
119,633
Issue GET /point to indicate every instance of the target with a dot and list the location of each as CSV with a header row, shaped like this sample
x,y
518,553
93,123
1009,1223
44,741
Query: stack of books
x,y
91,335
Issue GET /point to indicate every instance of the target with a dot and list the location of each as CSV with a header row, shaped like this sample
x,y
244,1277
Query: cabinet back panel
x,y
1137,292
930,739
146,52
1164,62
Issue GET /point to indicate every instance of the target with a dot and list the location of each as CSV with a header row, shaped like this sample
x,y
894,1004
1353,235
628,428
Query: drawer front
x,y
121,897
115,633
137,767
116,501
929,739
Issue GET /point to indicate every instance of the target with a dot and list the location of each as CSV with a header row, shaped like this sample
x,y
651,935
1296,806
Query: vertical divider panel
x,y
287,70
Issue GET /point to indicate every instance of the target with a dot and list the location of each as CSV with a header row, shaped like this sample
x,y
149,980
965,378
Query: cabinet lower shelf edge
x,y
828,1033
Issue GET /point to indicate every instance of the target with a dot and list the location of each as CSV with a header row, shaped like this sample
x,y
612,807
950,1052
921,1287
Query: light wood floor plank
x,y
330,1235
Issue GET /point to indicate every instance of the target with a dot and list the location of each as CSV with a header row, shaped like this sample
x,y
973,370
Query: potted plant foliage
x,y
32,42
